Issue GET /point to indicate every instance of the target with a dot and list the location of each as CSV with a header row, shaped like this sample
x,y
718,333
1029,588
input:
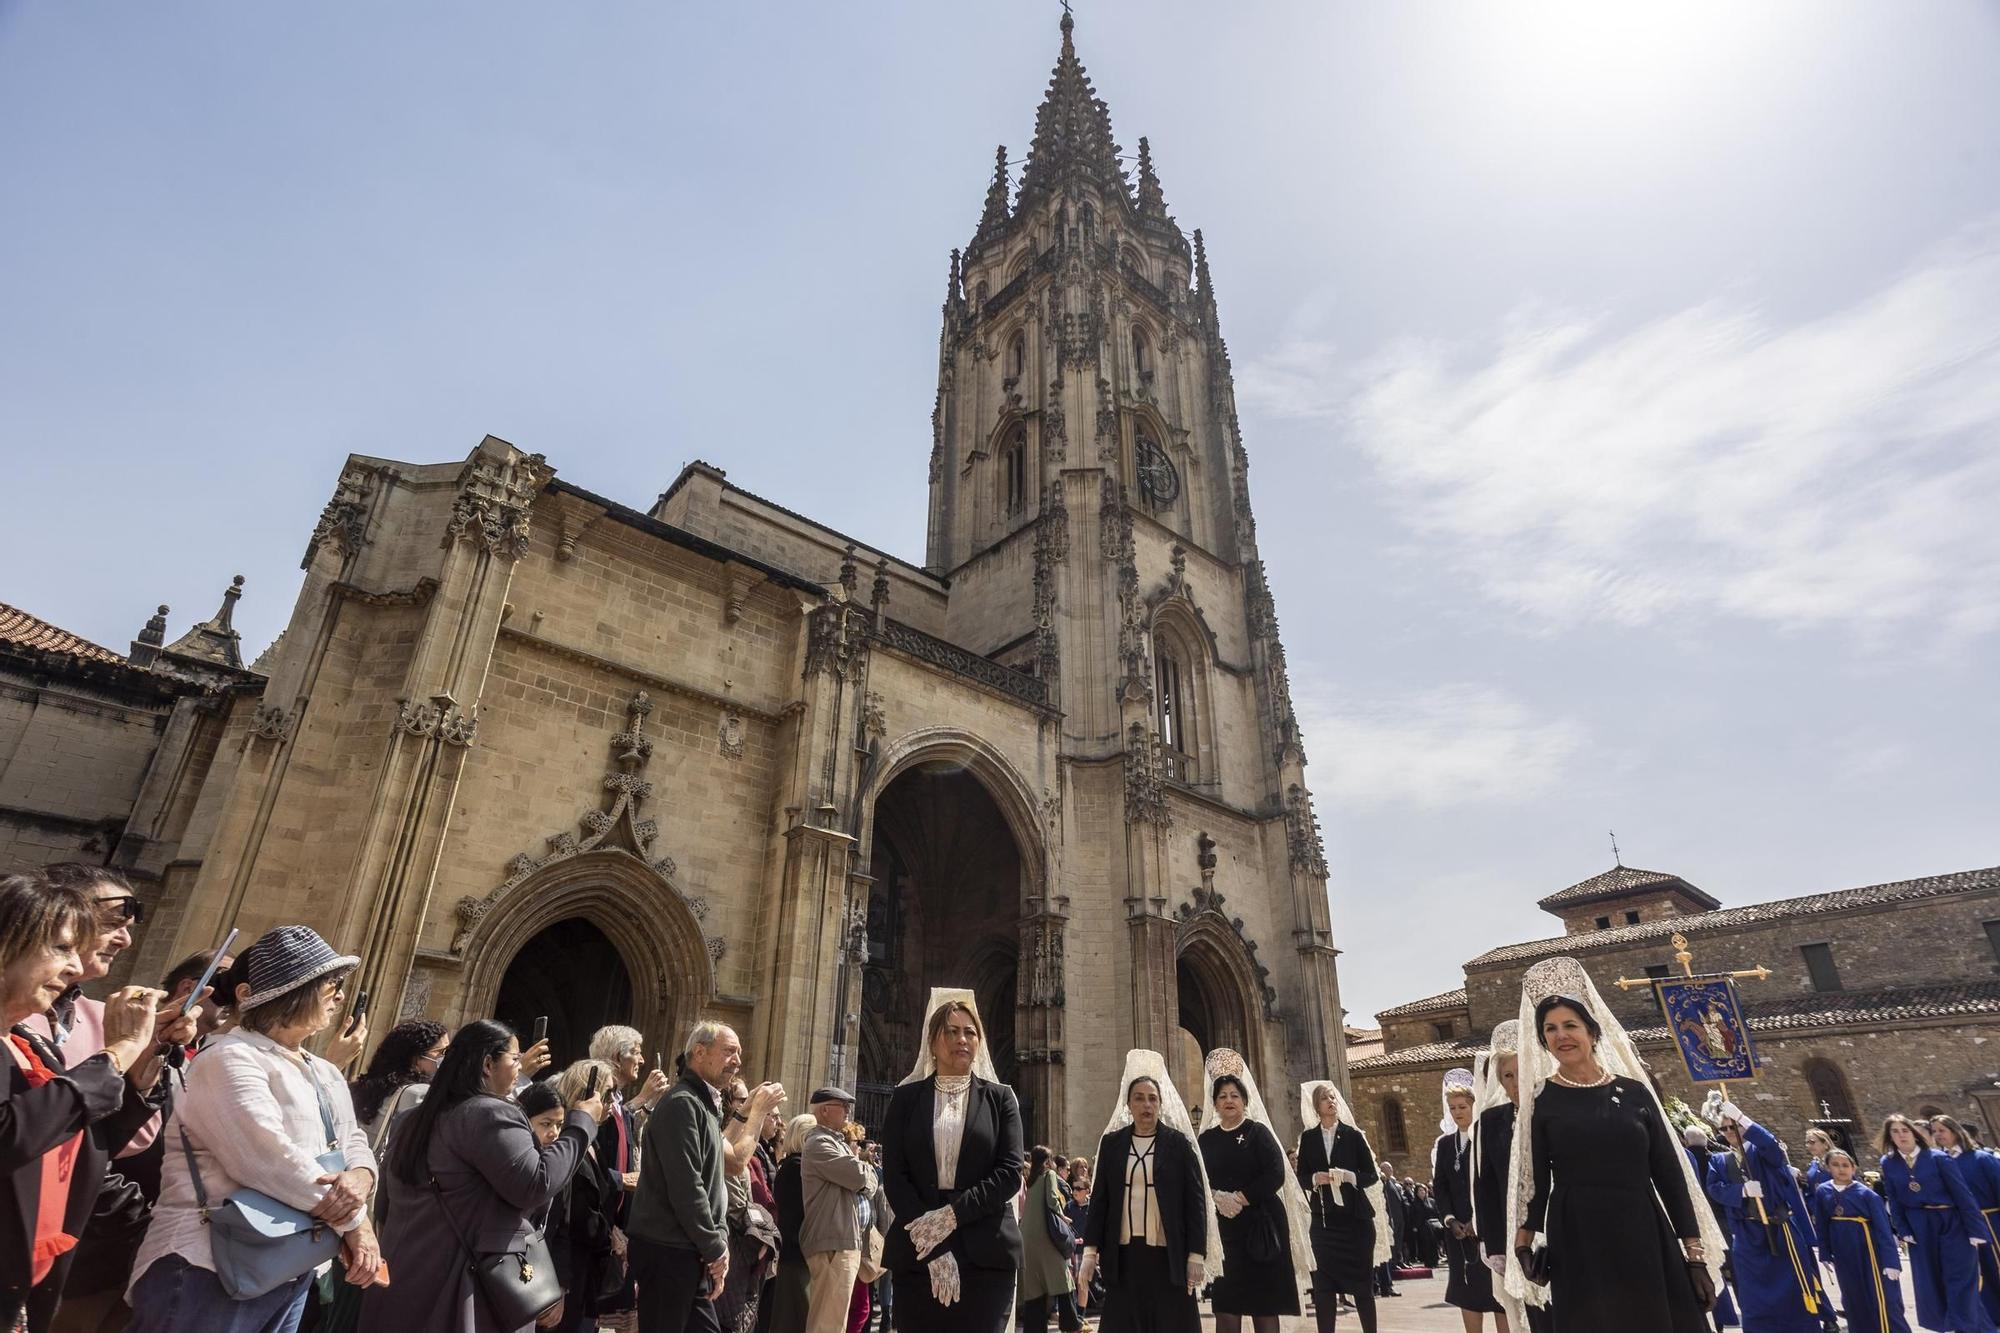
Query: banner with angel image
x,y
1706,1018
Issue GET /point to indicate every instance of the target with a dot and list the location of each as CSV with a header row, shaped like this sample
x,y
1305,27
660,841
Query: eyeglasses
x,y
434,1056
126,909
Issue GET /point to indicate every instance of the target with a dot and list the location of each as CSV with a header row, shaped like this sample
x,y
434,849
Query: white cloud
x,y
1844,470
1452,745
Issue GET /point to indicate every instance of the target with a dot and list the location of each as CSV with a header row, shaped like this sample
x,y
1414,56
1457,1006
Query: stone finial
x,y
1152,200
879,593
146,647
954,291
214,641
1204,288
850,575
996,213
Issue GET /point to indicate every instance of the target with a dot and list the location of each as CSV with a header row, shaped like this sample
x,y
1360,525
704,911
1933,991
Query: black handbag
x,y
519,1286
1060,1235
1260,1235
1534,1264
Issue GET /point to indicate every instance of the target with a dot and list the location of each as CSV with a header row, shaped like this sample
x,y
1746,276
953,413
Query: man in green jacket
x,y
679,1238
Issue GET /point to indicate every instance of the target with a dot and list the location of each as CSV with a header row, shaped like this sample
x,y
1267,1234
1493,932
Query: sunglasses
x,y
127,909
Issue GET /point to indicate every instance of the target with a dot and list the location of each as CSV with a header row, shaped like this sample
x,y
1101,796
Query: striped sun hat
x,y
286,958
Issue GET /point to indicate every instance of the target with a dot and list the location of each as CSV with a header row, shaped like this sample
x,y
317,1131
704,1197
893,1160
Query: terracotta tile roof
x,y
1700,924
1616,883
1443,1053
1432,1004
18,629
1972,1000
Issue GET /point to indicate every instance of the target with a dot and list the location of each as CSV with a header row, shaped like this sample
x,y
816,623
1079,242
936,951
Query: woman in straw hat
x,y
1151,1226
951,1166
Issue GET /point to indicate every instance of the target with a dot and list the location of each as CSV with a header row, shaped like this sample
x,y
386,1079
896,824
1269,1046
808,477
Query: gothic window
x,y
1175,689
1017,357
1142,354
1014,470
1393,1129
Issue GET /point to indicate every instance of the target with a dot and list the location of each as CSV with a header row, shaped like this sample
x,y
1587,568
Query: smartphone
x,y
208,975
541,1030
590,1088
359,1012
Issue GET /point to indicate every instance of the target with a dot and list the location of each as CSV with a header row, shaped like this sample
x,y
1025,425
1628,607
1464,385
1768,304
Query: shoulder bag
x,y
256,1243
520,1286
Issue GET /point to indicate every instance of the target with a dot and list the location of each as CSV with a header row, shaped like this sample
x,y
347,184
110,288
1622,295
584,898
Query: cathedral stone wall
x,y
71,761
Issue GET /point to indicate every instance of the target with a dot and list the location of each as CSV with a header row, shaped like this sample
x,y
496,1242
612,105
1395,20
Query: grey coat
x,y
496,1183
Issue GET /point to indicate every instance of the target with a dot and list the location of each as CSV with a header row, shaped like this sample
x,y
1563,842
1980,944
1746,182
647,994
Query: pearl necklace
x,y
1569,1083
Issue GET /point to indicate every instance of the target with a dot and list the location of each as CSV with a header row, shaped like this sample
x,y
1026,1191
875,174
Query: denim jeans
x,y
176,1297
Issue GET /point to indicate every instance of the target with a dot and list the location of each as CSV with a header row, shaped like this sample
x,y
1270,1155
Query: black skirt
x,y
1470,1283
985,1302
1248,1286
1148,1297
1344,1249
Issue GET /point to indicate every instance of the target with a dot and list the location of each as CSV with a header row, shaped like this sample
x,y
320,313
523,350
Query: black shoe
x,y
1392,1292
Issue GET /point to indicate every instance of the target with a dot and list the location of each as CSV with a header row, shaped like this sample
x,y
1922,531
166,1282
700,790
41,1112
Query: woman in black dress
x,y
1337,1171
1249,1180
1151,1225
1470,1284
1607,1182
951,1166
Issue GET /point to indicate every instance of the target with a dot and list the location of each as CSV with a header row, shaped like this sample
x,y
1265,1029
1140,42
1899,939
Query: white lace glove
x,y
1227,1204
1342,1176
1197,1274
1498,1263
1752,1190
1979,1240
1730,1111
945,1286
932,1229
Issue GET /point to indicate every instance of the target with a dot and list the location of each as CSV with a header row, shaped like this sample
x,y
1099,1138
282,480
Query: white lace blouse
x,y
948,1125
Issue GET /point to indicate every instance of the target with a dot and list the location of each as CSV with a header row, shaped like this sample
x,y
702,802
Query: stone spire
x,y
1152,200
995,216
1072,132
1204,289
147,646
954,286
214,641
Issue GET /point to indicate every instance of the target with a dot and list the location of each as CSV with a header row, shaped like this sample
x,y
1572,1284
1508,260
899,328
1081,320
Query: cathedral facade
x,y
530,751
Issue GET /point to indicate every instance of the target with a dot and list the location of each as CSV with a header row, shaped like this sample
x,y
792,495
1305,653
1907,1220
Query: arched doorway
x,y
1213,1002
944,910
572,973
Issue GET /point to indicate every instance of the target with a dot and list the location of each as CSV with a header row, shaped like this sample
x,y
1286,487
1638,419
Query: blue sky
x,y
1621,387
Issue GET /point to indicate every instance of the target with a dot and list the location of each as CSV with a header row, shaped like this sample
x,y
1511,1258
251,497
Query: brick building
x,y
530,750
1884,998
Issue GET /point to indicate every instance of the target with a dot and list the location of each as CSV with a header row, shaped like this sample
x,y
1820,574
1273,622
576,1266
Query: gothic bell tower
x,y
1089,502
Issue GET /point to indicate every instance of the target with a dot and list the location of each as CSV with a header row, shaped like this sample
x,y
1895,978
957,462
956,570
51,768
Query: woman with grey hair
x,y
624,1050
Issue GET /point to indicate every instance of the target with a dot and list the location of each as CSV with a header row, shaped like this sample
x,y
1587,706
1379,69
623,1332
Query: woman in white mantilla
x,y
951,1166
1261,1212
1349,1223
1495,1085
1602,1197
1469,1282
1151,1227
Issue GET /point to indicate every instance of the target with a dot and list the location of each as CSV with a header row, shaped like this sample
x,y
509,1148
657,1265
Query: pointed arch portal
x,y
573,974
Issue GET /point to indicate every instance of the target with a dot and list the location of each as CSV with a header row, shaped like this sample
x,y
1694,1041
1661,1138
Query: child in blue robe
x,y
1933,1211
1856,1239
1818,1143
1777,1271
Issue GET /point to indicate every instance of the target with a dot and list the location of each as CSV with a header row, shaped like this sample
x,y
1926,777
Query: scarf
x,y
50,1240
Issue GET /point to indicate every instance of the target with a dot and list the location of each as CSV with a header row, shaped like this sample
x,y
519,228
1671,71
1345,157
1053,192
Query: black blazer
x,y
1350,1152
1176,1180
989,1176
94,1098
1451,1181
1492,1143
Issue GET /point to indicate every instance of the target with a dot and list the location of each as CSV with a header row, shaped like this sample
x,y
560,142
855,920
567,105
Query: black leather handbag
x,y
519,1286
1534,1264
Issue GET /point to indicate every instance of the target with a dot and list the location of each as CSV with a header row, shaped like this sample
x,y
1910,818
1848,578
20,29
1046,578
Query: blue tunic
x,y
1777,1273
1932,1209
1816,1175
1981,1170
1854,1233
